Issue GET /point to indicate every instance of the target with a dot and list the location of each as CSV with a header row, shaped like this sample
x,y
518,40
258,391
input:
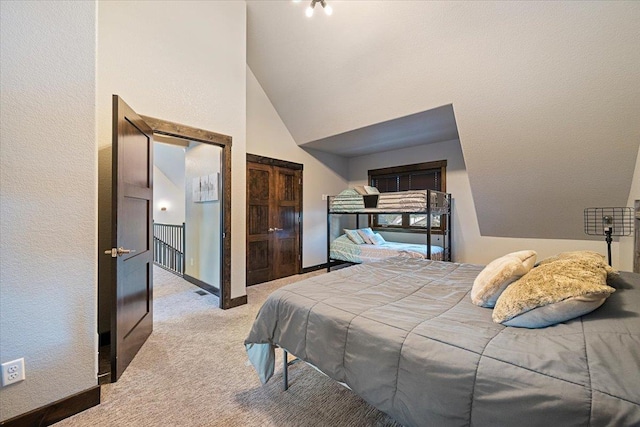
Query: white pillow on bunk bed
x,y
377,239
354,236
366,234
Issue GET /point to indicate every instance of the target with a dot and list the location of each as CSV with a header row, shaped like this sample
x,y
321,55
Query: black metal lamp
x,y
608,222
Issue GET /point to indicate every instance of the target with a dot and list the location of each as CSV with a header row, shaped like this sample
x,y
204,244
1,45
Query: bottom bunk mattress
x,y
403,334
344,249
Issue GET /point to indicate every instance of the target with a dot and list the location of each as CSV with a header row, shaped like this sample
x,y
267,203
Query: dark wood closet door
x,y
259,242
287,222
274,206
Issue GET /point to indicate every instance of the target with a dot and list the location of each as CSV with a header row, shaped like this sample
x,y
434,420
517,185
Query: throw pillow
x,y
366,234
354,236
582,256
499,274
377,239
554,292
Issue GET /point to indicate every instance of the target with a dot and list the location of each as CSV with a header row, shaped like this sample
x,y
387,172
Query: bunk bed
x,y
434,205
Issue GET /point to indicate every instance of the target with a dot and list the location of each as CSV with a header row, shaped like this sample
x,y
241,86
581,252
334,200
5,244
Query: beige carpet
x,y
192,371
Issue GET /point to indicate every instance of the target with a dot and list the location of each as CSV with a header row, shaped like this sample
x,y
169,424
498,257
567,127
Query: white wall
x,y
322,174
627,243
182,61
202,218
468,244
168,183
167,194
48,200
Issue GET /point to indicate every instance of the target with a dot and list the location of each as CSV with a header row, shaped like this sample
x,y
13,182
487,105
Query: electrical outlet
x,y
191,262
12,372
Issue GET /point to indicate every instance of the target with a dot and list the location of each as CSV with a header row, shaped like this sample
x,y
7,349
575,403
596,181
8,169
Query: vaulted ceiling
x,y
546,95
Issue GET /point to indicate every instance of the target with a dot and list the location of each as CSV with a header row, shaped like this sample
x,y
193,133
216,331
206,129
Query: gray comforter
x,y
403,334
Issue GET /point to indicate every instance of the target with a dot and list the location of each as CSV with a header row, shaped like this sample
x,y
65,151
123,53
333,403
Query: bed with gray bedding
x,y
403,334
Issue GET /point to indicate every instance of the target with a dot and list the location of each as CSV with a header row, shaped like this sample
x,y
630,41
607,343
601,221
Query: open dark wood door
x,y
274,205
132,236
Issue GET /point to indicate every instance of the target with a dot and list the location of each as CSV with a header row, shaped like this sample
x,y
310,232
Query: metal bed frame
x,y
447,241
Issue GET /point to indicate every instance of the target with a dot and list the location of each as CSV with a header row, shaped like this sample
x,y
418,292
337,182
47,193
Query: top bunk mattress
x,y
350,201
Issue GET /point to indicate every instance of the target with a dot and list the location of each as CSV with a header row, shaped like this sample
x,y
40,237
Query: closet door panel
x,y
259,212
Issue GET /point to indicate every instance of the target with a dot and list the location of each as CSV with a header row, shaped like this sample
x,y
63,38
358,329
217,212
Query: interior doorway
x,y
121,175
187,212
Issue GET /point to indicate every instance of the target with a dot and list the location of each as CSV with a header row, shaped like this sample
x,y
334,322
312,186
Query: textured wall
x,y
545,94
627,243
468,244
48,200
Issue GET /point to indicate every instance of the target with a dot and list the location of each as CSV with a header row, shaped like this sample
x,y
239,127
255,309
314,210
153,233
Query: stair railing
x,y
168,247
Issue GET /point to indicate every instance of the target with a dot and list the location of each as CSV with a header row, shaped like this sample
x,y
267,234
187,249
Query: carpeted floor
x,y
193,371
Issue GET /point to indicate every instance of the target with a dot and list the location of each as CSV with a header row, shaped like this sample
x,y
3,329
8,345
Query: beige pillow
x,y
583,257
499,274
554,292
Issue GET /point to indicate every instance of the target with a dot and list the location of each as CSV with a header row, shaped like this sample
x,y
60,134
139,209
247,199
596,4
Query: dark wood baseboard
x,y
57,411
205,286
314,268
236,302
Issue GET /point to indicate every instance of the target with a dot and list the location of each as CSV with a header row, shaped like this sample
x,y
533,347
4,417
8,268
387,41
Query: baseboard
x,y
57,411
199,283
314,268
235,302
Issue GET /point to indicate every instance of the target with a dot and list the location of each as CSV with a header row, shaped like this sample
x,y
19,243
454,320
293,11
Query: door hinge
x,y
224,235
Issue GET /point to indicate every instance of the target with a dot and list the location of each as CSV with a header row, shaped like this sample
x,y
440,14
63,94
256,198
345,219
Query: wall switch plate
x,y
13,371
324,197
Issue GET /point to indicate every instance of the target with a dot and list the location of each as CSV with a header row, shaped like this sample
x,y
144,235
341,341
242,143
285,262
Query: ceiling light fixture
x,y
327,9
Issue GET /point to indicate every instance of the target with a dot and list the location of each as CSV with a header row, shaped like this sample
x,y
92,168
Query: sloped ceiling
x,y
546,95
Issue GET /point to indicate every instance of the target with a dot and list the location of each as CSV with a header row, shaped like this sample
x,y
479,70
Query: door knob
x,y
271,230
118,252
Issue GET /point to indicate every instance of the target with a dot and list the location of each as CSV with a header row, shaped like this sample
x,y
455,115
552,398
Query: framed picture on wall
x,y
205,188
